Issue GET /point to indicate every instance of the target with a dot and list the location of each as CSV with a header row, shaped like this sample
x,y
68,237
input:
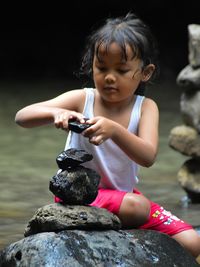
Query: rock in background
x,y
186,138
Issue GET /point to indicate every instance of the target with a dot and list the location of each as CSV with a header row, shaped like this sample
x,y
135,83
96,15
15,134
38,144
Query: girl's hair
x,y
128,30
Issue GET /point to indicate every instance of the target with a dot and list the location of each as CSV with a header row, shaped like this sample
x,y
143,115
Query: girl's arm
x,y
57,110
141,148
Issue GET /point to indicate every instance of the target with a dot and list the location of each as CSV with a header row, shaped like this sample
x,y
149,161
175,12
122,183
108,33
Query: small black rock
x,y
72,157
76,126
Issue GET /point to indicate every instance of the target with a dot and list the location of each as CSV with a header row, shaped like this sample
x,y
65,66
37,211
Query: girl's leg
x,y
134,210
165,222
190,240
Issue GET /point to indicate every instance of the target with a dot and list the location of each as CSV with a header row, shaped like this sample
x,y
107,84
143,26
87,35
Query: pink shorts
x,y
159,219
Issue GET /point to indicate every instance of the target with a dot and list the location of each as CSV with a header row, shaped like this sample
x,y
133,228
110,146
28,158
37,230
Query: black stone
x,y
78,186
72,157
76,126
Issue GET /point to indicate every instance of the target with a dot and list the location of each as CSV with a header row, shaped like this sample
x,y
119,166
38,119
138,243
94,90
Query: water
x,y
27,157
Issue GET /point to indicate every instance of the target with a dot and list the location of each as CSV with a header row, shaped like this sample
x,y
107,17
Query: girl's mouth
x,y
110,89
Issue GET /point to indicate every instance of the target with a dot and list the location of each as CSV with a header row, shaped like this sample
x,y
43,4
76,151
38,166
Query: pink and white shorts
x,y
159,219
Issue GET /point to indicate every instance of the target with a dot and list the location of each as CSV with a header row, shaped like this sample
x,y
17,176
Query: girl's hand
x,y
100,130
62,117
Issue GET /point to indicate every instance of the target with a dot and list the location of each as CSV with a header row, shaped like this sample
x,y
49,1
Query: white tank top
x,y
116,169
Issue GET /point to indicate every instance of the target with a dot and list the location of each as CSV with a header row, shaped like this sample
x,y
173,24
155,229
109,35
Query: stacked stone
x,y
75,187
73,233
186,138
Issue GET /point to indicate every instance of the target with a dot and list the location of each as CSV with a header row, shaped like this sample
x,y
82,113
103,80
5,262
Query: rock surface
x,y
186,140
190,108
78,186
57,217
76,248
76,126
71,158
189,179
47,245
189,77
194,45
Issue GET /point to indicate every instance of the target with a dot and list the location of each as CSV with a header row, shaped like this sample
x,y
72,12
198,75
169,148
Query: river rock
x,y
190,108
186,140
57,217
72,158
77,248
77,186
189,179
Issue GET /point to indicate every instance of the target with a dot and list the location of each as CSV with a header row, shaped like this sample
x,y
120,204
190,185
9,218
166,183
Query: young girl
x,y
120,57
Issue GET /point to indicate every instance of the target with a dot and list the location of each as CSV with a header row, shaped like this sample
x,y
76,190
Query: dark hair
x,y
123,30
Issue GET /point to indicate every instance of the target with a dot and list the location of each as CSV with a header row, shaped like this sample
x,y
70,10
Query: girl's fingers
x,y
61,120
96,140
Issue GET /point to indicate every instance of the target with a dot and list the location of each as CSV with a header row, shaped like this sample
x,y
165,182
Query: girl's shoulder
x,y
148,104
78,97
72,99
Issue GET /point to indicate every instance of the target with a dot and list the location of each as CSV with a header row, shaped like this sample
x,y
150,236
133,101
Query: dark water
x,y
27,157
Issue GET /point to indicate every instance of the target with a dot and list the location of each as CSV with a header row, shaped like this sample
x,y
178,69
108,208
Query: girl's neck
x,y
117,111
116,107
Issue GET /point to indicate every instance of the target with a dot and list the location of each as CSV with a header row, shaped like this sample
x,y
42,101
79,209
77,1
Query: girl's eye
x,y
101,68
123,71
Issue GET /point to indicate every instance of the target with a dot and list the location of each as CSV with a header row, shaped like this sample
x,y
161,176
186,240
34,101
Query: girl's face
x,y
115,78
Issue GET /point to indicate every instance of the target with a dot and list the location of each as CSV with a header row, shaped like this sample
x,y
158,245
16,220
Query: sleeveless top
x,y
116,169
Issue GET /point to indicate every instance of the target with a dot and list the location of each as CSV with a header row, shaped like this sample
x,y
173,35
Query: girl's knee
x,y
134,210
137,202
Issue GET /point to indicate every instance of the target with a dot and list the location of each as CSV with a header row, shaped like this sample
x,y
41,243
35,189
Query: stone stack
x,y
186,138
74,234
75,188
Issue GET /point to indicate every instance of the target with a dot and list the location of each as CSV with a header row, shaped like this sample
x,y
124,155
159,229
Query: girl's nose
x,y
110,78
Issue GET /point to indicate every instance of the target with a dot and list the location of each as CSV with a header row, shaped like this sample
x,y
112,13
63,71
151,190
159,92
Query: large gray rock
x,y
58,217
75,248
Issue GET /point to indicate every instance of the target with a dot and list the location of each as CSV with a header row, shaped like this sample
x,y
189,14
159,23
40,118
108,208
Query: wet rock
x,y
75,248
72,158
76,126
186,140
190,108
189,179
57,217
78,186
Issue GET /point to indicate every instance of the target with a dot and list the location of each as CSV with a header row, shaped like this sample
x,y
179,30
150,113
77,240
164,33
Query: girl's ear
x,y
147,72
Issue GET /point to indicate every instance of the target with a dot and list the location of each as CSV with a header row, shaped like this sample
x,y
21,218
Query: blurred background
x,y
43,43
39,53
